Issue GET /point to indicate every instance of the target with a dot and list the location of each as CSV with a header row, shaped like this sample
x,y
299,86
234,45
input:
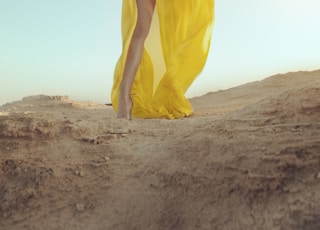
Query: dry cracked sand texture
x,y
248,159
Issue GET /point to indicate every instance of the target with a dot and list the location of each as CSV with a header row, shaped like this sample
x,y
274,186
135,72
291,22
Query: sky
x,y
70,47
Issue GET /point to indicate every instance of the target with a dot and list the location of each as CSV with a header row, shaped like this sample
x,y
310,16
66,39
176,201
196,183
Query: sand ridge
x,y
249,158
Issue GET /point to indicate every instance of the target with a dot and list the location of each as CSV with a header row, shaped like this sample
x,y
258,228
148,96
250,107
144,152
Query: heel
x,y
125,110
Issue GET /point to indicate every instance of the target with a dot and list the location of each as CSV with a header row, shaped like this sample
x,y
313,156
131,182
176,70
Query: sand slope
x,y
248,159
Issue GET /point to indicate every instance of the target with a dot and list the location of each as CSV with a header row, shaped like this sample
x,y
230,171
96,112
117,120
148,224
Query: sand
x,y
249,158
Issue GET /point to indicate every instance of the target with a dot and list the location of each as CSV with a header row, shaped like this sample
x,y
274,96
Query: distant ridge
x,y
240,96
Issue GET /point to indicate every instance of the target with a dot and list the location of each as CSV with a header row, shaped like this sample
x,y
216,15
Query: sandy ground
x,y
248,159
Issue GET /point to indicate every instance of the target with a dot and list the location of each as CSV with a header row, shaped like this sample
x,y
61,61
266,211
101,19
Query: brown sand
x,y
248,159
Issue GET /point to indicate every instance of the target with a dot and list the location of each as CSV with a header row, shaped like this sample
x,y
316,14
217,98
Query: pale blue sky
x,y
70,47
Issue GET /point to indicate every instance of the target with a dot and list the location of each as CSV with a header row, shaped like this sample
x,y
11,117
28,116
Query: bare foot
x,y
125,107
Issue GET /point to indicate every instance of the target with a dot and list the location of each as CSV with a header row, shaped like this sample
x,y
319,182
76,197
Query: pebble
x,y
82,173
79,173
318,176
80,207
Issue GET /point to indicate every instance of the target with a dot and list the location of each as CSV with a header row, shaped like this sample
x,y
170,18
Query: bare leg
x,y
145,11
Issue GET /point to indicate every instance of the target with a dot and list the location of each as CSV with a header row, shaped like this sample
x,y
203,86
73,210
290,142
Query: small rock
x,y
318,175
77,172
97,141
82,173
107,158
80,207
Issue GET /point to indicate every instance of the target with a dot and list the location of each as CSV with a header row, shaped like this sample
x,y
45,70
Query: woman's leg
x,y
145,12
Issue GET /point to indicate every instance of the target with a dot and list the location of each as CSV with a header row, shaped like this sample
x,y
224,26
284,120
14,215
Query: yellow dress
x,y
175,52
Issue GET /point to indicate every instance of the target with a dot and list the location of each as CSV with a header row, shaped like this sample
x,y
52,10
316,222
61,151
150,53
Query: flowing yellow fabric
x,y
175,52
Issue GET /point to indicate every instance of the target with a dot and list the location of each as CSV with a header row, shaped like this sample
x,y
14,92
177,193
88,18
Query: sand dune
x,y
248,159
